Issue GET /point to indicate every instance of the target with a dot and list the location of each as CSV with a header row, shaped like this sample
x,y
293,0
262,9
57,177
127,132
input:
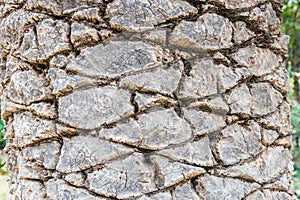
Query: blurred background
x,y
290,26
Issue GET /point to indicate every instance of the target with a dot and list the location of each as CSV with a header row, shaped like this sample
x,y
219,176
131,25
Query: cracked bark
x,y
145,99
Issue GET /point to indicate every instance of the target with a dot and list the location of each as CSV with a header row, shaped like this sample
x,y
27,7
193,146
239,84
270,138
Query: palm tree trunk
x,y
162,99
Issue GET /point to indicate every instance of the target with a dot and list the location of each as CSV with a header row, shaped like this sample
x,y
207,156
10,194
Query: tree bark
x,y
162,99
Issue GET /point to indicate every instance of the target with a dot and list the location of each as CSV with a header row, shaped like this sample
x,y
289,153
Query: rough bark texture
x,y
145,99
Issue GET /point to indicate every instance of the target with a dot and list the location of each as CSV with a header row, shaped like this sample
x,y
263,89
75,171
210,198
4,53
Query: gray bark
x,y
147,99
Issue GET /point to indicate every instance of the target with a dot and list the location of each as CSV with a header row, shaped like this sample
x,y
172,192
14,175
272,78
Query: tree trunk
x,y
162,99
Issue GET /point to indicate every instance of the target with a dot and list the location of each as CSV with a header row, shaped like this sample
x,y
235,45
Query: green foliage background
x,y
2,141
291,26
